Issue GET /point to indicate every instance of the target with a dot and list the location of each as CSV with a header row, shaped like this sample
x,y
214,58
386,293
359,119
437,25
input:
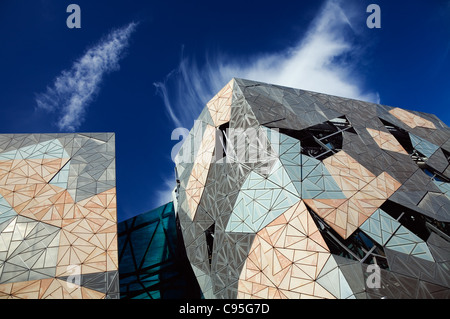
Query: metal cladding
x,y
58,226
286,193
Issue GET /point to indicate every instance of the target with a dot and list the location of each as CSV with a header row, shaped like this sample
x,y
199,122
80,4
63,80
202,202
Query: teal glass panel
x,y
152,263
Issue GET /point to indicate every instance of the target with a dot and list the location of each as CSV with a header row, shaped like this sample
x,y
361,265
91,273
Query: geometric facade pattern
x,y
388,232
151,260
58,223
287,193
286,258
386,141
411,119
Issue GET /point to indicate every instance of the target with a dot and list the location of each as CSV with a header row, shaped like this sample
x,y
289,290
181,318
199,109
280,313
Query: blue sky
x,y
142,68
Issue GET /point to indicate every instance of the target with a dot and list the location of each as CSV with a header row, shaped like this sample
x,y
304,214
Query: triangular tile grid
x,y
6,211
51,288
345,190
57,210
317,182
197,179
29,171
309,176
388,232
365,193
386,141
332,279
261,200
45,150
410,119
61,178
28,250
92,168
285,259
220,105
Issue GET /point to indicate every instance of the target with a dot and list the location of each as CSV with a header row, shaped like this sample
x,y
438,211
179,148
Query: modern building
x,y
58,226
281,193
287,193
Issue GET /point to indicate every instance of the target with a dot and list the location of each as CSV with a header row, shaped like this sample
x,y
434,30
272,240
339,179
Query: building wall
x,y
286,193
58,223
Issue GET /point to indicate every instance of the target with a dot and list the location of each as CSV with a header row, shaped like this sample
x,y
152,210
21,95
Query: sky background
x,y
143,68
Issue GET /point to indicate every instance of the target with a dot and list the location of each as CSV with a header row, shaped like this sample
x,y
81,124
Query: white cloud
x,y
164,193
75,88
319,62
322,61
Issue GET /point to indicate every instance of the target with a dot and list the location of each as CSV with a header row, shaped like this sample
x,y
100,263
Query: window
x,y
322,140
209,234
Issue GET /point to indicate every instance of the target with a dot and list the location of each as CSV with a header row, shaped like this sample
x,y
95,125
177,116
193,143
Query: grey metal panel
x,y
354,146
281,107
428,290
439,248
447,171
197,253
438,136
31,250
16,141
229,258
353,273
395,286
446,145
419,181
202,218
408,199
437,273
241,114
104,282
438,161
398,165
437,205
191,231
90,161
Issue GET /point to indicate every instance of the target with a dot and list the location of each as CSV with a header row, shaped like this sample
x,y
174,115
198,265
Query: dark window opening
x,y
419,158
209,234
220,150
446,154
434,174
415,222
358,246
177,179
400,135
322,140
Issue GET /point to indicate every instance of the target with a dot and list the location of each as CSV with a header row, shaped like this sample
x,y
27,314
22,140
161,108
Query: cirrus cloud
x,y
321,61
74,89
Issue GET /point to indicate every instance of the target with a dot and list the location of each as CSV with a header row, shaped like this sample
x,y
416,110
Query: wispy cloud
x,y
164,193
324,60
74,89
321,61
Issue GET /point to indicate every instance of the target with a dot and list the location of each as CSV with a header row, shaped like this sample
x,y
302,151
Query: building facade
x,y
58,223
286,193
